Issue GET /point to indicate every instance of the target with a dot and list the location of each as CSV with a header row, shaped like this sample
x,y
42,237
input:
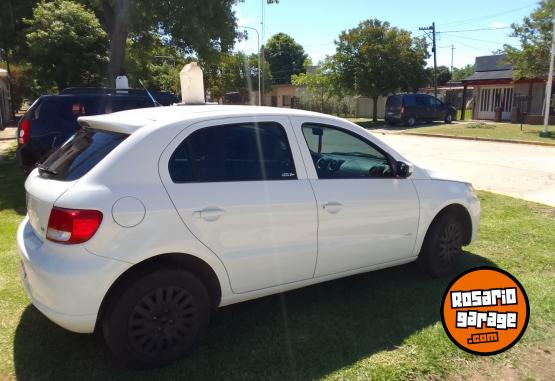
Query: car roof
x,y
131,120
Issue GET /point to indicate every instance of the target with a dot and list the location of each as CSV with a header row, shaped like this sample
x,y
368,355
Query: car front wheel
x,y
157,319
448,118
443,243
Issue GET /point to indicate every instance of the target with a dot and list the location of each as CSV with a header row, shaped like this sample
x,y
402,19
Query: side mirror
x,y
404,170
318,131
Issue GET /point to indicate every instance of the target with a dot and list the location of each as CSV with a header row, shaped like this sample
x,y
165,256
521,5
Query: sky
x,y
315,24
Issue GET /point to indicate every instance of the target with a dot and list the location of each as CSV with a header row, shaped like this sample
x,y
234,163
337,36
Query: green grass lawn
x,y
380,325
486,130
368,123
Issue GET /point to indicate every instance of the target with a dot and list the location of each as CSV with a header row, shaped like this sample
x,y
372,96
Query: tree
x,y
153,62
443,75
461,73
376,59
66,45
205,28
12,15
321,84
532,58
285,56
235,72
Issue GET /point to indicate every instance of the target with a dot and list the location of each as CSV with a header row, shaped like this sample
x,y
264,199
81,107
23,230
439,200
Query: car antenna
x,y
156,103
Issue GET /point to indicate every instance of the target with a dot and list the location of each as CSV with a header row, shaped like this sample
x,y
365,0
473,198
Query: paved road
x,y
518,170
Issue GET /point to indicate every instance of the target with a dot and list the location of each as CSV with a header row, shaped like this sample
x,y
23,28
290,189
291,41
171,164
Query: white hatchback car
x,y
147,219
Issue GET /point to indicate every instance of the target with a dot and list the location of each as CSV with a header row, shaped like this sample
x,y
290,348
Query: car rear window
x,y
85,149
394,101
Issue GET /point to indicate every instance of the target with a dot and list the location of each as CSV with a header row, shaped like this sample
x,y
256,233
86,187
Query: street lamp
x,y
259,75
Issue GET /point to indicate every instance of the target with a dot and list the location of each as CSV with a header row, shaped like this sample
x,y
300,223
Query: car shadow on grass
x,y
300,335
12,191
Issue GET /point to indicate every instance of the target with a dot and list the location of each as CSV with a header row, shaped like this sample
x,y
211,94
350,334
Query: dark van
x,y
408,109
52,119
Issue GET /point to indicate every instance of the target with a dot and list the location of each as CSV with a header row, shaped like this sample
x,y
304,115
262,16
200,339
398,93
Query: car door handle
x,y
332,206
209,214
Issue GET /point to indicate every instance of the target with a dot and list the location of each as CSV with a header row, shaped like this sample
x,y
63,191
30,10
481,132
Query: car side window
x,y
422,101
435,102
340,154
235,152
410,100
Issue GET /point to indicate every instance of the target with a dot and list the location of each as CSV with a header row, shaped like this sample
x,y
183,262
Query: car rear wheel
x,y
443,243
157,319
411,121
448,118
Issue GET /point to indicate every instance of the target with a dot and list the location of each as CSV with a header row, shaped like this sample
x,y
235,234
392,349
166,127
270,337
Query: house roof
x,y
491,68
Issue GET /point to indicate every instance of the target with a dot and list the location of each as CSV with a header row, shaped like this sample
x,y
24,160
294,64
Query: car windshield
x,y
80,154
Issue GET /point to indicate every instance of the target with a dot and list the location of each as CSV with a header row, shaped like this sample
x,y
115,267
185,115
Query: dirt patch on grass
x,y
533,362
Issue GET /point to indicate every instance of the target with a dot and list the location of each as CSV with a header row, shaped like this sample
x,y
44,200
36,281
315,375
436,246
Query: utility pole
x,y
432,28
545,133
259,68
261,49
452,50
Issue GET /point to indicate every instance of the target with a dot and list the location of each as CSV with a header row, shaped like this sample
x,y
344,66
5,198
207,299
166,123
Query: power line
x,y
461,43
479,40
475,30
493,15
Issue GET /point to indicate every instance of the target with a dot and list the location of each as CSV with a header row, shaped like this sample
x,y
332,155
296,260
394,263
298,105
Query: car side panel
x,y
434,196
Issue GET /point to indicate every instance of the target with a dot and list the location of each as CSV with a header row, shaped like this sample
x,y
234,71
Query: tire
x,y
448,118
411,121
442,244
156,319
390,122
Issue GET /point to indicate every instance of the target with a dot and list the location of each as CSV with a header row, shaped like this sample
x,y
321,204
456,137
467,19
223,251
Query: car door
x,y
424,107
242,190
366,215
438,108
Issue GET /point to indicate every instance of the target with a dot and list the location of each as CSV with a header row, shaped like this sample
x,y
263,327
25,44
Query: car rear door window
x,y
235,152
422,101
80,154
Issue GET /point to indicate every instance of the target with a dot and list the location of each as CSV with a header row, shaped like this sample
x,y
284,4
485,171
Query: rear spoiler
x,y
107,122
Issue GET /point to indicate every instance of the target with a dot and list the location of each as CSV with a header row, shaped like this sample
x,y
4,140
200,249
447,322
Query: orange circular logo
x,y
485,311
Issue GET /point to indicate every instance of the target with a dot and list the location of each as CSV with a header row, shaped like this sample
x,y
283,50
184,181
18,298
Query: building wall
x,y
280,96
365,107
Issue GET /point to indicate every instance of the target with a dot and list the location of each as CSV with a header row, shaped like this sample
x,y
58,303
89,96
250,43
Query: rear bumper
x,y
65,282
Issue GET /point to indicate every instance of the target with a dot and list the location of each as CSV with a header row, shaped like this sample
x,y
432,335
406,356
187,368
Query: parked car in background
x,y
409,109
52,119
145,220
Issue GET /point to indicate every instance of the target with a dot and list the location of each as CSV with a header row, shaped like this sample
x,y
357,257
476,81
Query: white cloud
x,y
498,24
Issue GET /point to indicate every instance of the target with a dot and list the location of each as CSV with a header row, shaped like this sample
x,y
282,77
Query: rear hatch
x,y
393,104
63,169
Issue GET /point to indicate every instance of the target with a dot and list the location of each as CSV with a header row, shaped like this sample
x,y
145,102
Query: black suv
x,y
52,119
409,109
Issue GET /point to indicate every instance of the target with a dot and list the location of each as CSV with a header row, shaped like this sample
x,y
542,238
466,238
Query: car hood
x,y
443,176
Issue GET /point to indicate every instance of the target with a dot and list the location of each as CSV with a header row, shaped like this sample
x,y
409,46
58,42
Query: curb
x,y
542,144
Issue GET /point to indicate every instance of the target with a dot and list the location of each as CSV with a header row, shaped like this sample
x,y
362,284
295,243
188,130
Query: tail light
x,y
24,131
71,226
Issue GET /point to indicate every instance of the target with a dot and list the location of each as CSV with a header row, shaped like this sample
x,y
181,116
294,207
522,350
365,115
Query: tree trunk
x,y
375,109
116,18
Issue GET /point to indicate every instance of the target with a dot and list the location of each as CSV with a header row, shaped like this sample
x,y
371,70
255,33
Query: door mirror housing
x,y
404,170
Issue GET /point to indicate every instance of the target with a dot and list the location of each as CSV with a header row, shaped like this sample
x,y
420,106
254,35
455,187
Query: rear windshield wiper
x,y
45,170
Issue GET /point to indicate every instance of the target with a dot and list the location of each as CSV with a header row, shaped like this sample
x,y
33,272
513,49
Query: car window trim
x,y
284,130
